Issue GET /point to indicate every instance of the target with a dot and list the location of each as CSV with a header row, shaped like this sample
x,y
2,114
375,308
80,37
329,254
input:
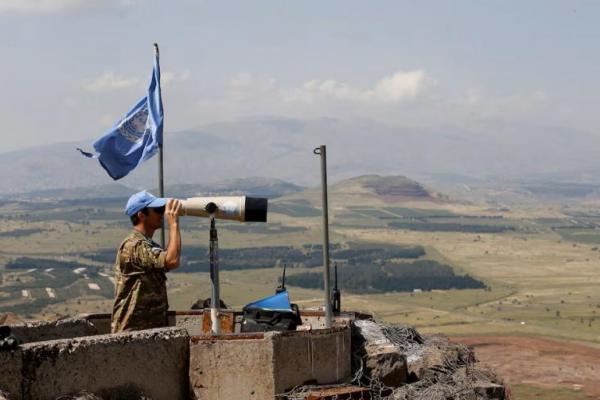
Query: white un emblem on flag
x,y
134,127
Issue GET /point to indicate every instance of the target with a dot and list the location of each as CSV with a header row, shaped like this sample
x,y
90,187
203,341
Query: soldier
x,y
141,264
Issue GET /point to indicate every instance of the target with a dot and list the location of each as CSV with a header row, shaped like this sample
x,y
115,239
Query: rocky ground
x,y
395,362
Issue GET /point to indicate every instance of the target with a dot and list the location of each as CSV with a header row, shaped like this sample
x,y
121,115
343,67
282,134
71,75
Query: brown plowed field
x,y
539,361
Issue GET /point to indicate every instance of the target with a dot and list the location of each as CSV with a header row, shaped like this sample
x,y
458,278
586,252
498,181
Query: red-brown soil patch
x,y
539,361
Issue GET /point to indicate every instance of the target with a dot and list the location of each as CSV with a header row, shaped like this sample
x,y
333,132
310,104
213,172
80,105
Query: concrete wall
x,y
61,329
153,363
160,363
260,366
11,365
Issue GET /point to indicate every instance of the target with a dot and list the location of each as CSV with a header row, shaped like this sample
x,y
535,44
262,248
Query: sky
x,y
70,68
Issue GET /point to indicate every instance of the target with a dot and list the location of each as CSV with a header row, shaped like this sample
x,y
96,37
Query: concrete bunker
x,y
183,361
358,358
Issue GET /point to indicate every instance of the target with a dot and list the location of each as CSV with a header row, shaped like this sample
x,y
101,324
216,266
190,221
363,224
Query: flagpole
x,y
161,183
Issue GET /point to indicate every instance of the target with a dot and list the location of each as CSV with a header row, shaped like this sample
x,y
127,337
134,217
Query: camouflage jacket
x,y
141,291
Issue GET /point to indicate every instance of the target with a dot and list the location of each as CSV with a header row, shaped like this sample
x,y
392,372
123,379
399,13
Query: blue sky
x,y
70,68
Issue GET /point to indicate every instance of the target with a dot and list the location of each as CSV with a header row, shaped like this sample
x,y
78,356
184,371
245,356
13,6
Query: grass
x,y
580,235
529,392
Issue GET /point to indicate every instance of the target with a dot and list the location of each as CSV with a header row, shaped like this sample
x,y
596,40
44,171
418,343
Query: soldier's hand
x,y
172,211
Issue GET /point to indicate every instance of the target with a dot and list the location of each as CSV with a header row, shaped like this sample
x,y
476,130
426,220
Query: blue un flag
x,y
135,137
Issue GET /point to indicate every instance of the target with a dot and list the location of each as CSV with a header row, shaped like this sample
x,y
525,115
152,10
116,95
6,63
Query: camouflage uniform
x,y
141,292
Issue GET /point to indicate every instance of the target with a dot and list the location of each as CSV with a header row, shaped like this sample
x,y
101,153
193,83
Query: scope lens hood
x,y
256,209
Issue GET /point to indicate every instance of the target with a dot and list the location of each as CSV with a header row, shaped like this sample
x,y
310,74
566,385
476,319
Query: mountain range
x,y
282,149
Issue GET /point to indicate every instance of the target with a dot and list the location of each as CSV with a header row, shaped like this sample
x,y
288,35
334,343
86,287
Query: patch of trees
x,y
195,258
103,255
319,247
402,277
42,263
262,228
21,232
450,227
78,215
361,256
298,208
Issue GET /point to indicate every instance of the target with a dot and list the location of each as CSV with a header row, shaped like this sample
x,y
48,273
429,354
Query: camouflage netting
x,y
80,396
396,363
126,394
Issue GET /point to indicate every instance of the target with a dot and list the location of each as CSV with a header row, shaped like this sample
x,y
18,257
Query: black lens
x,y
256,209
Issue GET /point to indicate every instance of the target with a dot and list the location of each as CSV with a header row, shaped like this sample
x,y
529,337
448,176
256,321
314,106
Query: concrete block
x,y
191,322
101,322
387,367
318,356
383,360
11,365
152,363
263,365
61,329
238,367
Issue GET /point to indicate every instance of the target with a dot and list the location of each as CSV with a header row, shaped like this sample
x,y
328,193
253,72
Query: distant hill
x,y
391,188
114,190
368,189
282,148
263,187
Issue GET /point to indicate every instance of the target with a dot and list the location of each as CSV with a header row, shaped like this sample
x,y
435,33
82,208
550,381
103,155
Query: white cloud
x,y
247,95
401,86
247,86
170,78
109,81
407,97
485,105
49,6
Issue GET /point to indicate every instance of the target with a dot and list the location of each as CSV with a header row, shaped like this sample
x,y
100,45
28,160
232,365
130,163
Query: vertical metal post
x,y
161,191
161,186
215,301
321,151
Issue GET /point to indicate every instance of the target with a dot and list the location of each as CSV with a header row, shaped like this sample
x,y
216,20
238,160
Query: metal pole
x,y
215,301
321,151
161,191
161,186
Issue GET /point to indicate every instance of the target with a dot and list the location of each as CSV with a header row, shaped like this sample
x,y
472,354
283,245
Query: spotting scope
x,y
236,208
